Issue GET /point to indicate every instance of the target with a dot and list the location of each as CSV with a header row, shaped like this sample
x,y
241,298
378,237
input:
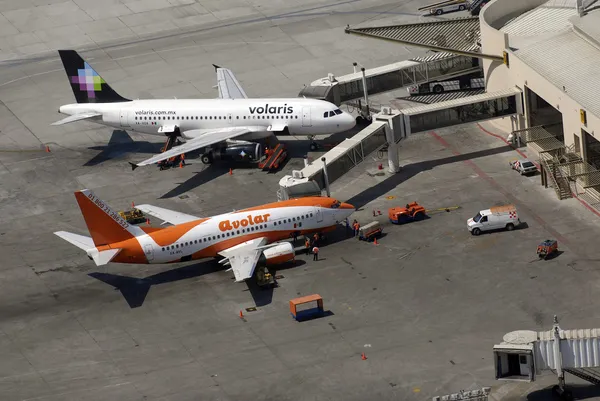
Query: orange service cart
x,y
306,313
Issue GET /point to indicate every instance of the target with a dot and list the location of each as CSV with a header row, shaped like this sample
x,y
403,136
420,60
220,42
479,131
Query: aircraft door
x,y
229,119
319,214
124,117
149,252
306,116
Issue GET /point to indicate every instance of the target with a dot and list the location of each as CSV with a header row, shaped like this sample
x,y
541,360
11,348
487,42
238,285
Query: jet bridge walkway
x,y
388,128
346,88
525,354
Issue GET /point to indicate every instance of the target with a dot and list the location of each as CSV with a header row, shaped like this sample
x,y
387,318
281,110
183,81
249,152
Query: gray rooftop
x,y
573,67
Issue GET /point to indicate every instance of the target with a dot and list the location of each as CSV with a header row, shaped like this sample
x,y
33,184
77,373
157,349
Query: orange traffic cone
x,y
230,171
241,315
363,356
375,241
181,164
148,221
47,149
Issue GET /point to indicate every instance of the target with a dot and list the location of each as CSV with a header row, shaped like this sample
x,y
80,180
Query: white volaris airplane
x,y
219,126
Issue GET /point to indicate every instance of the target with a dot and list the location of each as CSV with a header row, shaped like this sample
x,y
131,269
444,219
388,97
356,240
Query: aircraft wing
x,y
243,257
76,117
167,215
205,138
229,87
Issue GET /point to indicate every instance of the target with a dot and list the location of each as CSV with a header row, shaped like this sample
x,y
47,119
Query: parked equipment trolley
x,y
547,248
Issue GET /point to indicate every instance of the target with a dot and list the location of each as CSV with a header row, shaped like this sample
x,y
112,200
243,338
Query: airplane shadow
x,y
135,290
120,144
410,170
206,174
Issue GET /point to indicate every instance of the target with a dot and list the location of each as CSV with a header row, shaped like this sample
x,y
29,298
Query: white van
x,y
494,218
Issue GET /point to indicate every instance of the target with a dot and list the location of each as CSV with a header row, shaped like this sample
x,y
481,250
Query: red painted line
x,y
503,191
584,203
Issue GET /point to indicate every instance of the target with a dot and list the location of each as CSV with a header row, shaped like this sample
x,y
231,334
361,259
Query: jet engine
x,y
281,253
246,152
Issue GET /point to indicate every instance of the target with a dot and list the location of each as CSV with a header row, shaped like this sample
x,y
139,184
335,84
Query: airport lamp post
x,y
325,177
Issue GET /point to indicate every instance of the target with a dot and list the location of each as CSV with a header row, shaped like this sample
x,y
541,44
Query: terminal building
x,y
548,52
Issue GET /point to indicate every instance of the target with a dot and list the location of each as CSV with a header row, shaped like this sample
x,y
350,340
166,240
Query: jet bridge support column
x,y
394,132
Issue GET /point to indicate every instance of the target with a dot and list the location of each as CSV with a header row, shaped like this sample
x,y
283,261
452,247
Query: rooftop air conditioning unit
x,y
331,77
386,111
297,174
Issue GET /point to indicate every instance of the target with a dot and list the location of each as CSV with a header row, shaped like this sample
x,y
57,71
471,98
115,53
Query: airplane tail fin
x,y
105,226
88,86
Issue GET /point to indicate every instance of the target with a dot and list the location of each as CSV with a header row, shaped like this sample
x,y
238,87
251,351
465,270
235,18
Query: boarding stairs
x,y
525,354
559,182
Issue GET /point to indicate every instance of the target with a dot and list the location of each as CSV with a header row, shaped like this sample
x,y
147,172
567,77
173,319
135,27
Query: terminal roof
x,y
458,35
570,63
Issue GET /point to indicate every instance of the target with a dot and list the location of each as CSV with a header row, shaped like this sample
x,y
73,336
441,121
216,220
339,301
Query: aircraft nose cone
x,y
349,120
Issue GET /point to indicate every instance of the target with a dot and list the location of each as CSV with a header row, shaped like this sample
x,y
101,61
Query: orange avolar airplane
x,y
242,237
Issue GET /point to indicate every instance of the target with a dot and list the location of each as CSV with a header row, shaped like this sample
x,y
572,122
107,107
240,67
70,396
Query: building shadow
x,y
119,145
135,290
580,392
410,170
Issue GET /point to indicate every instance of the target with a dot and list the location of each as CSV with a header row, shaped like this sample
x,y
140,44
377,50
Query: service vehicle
x,y
547,248
412,211
447,86
133,216
474,6
523,166
494,218
370,231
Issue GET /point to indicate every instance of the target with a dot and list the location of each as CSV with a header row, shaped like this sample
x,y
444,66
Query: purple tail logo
x,y
88,81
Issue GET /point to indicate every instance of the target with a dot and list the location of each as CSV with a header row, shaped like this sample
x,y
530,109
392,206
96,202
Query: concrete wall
x,y
498,76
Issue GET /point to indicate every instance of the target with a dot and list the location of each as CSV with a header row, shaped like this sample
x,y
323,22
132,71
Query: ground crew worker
x,y
356,228
315,253
307,245
315,239
295,237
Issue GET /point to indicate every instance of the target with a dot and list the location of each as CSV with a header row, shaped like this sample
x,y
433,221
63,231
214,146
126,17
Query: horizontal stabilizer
x,y
167,215
76,117
80,241
103,257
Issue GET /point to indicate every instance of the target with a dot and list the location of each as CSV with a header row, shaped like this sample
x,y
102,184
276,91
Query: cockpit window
x,y
325,115
331,114
335,204
337,111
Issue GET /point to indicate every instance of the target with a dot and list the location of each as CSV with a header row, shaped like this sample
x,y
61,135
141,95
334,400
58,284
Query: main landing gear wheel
x,y
207,158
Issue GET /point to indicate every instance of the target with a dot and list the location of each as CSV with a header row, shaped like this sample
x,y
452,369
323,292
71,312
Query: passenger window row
x,y
217,118
215,237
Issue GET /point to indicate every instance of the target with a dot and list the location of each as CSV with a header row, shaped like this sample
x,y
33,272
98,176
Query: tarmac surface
x,y
426,305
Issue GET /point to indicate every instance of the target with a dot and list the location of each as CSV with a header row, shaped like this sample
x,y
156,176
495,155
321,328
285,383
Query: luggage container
x,y
370,231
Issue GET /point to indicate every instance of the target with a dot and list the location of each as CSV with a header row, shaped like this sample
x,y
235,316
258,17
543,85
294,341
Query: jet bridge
x,y
525,354
346,88
388,128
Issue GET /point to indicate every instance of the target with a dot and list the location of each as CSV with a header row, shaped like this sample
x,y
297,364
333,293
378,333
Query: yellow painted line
x,y
390,197
416,390
442,209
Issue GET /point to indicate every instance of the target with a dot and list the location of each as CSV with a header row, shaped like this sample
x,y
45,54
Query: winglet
x,y
133,166
216,66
